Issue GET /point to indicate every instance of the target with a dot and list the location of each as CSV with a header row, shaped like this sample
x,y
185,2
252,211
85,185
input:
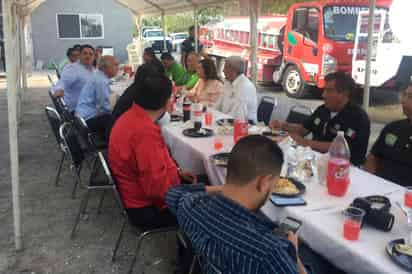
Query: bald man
x,y
94,102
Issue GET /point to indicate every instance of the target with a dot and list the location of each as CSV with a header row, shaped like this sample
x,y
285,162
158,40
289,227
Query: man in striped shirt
x,y
223,223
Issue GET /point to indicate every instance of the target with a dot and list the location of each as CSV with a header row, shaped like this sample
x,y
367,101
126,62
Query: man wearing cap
x,y
391,155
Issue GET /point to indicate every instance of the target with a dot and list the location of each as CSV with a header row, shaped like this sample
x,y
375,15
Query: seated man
x,y
94,102
391,155
337,114
72,56
149,57
174,70
223,223
126,100
139,159
239,98
75,76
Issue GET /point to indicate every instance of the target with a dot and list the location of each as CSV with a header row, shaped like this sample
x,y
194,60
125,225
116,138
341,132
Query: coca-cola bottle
x,y
338,166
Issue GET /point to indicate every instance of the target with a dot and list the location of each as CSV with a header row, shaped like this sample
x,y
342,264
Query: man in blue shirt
x,y
74,77
94,102
223,223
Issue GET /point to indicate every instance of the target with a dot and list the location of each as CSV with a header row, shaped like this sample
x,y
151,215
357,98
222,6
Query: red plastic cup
x,y
208,119
218,143
408,197
352,223
240,130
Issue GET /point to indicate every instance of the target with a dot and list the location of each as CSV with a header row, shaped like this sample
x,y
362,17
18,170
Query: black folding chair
x,y
298,114
70,140
89,138
51,81
265,109
55,123
141,235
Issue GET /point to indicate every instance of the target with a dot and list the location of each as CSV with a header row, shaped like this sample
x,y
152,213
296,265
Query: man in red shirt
x,y
139,159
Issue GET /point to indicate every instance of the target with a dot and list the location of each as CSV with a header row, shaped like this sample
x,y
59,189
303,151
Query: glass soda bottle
x,y
337,179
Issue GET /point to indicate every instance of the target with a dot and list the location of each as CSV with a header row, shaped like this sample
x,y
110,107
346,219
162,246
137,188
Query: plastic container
x,y
338,179
240,129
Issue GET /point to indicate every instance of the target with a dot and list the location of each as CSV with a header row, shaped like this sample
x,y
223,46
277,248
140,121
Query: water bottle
x,y
337,179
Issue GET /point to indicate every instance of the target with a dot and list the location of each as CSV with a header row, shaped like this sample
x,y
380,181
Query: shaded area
x,y
48,212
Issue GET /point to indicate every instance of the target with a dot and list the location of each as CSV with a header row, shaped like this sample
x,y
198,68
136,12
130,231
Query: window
x,y
80,26
306,22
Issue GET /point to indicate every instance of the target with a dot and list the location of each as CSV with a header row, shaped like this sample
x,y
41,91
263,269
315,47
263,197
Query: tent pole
x,y
371,22
164,31
254,6
9,16
196,30
23,53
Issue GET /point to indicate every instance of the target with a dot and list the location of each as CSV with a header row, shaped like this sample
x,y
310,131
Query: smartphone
x,y
289,224
283,201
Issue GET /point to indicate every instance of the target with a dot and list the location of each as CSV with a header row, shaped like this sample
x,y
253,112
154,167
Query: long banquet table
x,y
321,217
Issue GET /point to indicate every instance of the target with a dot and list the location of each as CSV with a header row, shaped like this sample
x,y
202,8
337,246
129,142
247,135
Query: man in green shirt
x,y
174,70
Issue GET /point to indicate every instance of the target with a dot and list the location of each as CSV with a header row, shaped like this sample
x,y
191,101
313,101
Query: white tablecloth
x,y
322,219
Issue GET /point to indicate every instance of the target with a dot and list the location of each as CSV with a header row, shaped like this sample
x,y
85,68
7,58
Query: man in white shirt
x,y
239,98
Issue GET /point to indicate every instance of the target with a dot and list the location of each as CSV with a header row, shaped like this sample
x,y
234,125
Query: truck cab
x,y
318,39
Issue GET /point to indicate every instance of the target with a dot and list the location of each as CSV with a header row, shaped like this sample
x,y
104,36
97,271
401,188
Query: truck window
x,y
306,22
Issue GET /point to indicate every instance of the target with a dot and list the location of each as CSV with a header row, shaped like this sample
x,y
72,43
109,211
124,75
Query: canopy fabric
x,y
152,7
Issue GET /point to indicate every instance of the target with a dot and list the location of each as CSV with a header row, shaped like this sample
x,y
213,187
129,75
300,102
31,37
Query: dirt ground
x,y
48,212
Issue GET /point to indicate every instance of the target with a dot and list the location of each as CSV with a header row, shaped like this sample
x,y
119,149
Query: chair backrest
x,y
51,81
55,122
69,136
265,109
65,112
298,114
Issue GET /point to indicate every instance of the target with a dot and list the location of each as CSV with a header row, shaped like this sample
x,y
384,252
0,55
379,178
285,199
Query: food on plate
x,y
404,249
285,186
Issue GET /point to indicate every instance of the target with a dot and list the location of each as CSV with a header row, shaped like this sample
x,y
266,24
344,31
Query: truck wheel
x,y
293,83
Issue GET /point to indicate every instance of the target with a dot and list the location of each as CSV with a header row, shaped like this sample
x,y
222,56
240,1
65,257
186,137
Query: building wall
x,y
47,47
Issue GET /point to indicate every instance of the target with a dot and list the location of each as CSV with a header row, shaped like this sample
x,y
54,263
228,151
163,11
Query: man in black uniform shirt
x,y
337,114
391,155
188,45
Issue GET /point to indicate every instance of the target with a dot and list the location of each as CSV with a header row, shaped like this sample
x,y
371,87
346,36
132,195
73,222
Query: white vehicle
x,y
177,39
390,64
154,38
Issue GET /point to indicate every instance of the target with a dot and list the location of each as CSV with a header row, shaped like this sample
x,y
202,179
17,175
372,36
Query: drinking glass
x,y
218,143
408,208
352,223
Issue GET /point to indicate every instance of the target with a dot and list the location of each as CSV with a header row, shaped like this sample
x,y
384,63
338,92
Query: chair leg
x,y
82,209
139,244
99,210
76,182
192,265
56,181
119,239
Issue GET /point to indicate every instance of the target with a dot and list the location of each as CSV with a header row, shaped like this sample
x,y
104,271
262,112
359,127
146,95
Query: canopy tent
x,y
15,15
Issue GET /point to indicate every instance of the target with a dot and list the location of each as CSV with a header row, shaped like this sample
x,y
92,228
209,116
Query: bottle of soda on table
x,y
338,179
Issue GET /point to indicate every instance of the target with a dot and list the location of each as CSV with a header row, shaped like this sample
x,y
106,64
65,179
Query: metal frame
x,y
59,141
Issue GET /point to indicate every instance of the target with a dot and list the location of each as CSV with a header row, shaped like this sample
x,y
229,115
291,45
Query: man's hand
x,y
301,141
214,189
293,239
59,93
276,124
187,176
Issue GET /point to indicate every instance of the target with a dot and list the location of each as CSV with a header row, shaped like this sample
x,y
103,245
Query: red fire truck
x,y
296,50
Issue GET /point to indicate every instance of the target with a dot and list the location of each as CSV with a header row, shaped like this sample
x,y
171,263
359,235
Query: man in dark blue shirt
x,y
223,223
